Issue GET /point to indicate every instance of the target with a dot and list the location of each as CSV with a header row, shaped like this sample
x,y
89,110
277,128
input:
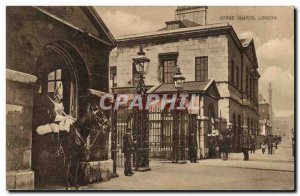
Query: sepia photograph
x,y
150,98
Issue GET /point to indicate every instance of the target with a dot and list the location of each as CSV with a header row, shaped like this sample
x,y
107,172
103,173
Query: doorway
x,y
53,72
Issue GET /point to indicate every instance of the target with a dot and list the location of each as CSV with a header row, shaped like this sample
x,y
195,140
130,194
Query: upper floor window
x,y
237,77
251,87
247,81
113,72
172,26
113,75
201,68
232,72
168,66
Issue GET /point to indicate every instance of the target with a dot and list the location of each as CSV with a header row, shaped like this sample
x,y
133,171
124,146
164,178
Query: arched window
x,y
53,80
65,76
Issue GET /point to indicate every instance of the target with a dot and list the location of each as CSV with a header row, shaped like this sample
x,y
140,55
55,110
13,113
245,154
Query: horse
x,y
72,145
76,146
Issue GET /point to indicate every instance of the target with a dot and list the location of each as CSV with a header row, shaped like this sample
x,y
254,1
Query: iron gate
x,y
161,126
161,132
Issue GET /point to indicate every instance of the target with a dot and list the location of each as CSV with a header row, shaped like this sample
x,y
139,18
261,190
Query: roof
x,y
246,42
185,24
97,93
128,90
189,86
181,8
91,24
175,31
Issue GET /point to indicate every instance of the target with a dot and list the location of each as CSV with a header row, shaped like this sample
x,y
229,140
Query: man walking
x,y
193,147
226,145
269,141
245,145
127,150
253,144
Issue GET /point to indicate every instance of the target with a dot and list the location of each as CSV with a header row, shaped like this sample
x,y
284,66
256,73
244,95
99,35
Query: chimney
x,y
195,14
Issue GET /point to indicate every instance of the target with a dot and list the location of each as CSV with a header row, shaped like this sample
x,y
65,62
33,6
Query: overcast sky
x,y
274,40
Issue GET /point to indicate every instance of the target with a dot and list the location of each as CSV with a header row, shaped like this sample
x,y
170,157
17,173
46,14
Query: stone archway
x,y
59,63
211,117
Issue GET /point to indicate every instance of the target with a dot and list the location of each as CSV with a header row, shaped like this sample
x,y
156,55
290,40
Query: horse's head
x,y
102,121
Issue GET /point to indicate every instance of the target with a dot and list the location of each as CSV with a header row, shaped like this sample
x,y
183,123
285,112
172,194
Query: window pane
x,y
51,76
51,87
201,68
58,74
169,68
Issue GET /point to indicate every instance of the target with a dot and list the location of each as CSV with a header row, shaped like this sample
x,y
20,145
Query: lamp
x,y
141,62
178,79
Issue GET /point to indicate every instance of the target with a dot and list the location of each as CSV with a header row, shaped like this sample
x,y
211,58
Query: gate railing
x,y
161,127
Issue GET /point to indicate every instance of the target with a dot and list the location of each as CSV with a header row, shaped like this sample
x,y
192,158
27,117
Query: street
x,y
261,172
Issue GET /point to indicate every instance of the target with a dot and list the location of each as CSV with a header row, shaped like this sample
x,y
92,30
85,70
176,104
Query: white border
x,y
105,3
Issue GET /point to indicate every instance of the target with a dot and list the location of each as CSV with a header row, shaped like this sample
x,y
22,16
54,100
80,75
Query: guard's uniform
x,y
245,144
127,150
193,148
226,145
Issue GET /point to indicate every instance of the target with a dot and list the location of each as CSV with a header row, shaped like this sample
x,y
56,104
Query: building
x,y
283,126
203,52
265,125
47,45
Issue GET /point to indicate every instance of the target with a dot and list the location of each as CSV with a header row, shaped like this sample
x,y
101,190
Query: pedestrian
x,y
263,147
253,144
212,146
245,145
269,141
192,147
276,141
274,147
127,150
226,145
221,146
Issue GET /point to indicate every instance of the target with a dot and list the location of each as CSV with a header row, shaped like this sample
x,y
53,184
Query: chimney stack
x,y
195,14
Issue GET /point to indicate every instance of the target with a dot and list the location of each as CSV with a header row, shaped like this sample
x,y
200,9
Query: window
x,y
201,68
251,87
172,26
232,71
113,75
168,66
247,82
237,77
54,78
113,72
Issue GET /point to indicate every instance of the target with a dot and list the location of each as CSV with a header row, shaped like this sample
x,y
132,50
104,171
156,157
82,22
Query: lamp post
x,y
114,130
141,131
178,155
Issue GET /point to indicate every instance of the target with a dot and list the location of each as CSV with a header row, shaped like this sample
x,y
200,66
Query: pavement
x,y
261,172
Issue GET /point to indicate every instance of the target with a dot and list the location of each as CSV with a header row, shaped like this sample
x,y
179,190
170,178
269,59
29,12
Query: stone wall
x,y
214,46
30,31
19,102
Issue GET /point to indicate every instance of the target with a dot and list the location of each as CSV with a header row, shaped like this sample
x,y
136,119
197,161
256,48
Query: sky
x,y
273,39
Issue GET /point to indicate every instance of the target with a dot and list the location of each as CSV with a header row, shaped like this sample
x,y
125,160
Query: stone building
x,y
47,45
202,51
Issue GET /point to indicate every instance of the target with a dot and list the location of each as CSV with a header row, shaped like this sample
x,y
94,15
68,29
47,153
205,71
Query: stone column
x,y
19,109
